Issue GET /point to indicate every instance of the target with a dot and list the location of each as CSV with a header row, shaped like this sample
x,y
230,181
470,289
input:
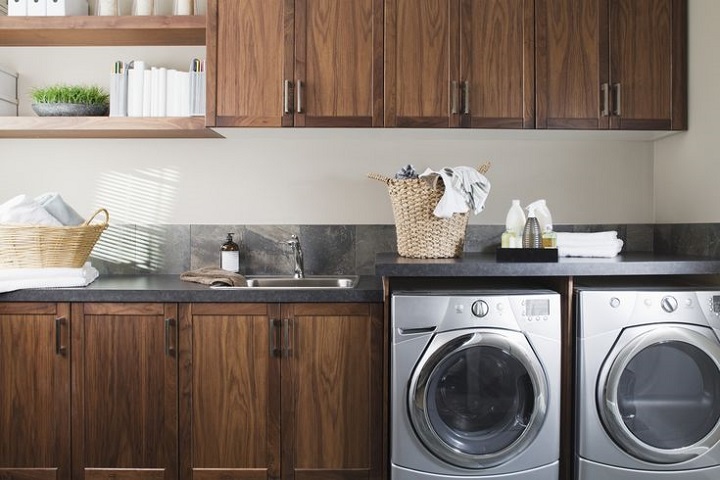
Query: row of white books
x,y
139,90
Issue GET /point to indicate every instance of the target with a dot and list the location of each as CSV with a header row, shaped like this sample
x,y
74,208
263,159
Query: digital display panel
x,y
716,303
539,307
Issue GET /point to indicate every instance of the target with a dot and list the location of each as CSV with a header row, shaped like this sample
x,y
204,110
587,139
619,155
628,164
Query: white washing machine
x,y
475,385
648,391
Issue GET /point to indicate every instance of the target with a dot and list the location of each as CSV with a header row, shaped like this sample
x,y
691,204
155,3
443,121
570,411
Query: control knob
x,y
480,308
669,304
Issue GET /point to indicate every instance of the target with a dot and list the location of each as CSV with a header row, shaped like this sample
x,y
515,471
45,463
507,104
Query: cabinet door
x,y
124,391
572,63
35,393
338,69
230,392
332,392
646,64
497,63
421,63
249,57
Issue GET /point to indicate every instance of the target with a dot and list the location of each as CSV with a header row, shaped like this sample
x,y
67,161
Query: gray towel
x,y
214,276
56,206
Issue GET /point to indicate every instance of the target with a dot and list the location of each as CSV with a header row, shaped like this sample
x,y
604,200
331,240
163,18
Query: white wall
x,y
687,166
312,176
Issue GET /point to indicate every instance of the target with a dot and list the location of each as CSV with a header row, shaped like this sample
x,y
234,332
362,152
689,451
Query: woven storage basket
x,y
420,234
42,246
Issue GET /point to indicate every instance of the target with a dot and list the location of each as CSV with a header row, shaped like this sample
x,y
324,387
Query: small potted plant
x,y
70,100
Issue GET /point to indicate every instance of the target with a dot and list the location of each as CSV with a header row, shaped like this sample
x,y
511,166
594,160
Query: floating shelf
x,y
105,127
102,31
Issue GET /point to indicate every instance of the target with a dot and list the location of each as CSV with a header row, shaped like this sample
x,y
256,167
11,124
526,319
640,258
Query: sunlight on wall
x,y
139,202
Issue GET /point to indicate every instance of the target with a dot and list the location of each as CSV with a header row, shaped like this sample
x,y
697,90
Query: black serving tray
x,y
508,255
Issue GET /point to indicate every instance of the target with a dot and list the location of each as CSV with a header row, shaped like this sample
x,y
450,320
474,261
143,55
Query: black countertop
x,y
485,265
169,288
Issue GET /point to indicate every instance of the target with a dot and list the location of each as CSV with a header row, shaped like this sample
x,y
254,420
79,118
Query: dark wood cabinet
x,y
282,391
612,64
451,63
124,391
35,393
295,62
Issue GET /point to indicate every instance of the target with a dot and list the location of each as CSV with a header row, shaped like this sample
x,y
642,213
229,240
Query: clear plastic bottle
x,y
532,236
542,212
514,224
230,255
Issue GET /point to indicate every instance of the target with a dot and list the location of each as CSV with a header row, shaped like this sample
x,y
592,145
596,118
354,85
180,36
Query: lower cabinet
x,y
156,391
281,391
124,391
34,391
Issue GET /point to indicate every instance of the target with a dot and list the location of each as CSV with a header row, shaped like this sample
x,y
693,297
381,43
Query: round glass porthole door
x,y
478,399
659,397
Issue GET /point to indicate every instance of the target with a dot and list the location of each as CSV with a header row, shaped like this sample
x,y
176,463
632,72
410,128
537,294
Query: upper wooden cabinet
x,y
35,392
618,64
451,63
295,62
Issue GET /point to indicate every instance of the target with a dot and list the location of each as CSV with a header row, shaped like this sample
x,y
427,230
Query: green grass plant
x,y
61,93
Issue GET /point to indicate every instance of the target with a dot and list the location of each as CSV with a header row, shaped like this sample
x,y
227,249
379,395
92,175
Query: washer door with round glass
x,y
477,398
659,393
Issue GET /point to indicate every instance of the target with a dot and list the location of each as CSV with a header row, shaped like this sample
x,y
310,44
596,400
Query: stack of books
x,y
139,90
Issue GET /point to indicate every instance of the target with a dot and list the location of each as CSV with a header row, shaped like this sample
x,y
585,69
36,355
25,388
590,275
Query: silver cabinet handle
x,y
618,99
287,96
466,98
287,327
60,349
605,99
299,96
170,337
454,92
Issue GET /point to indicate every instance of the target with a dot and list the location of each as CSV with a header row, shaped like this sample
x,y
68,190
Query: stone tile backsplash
x,y
333,249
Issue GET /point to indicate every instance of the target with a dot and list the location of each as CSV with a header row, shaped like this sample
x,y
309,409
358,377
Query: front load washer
x,y
648,384
475,385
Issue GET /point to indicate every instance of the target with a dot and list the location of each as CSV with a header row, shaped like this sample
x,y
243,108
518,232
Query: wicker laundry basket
x,y
420,234
42,246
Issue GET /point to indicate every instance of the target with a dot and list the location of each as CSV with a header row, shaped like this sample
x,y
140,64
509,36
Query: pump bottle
x,y
230,255
542,212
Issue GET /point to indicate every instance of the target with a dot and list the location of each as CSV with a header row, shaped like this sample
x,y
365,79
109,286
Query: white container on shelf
x,y
67,8
17,8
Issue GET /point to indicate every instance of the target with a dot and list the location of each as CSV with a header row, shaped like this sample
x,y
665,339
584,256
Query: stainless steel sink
x,y
287,282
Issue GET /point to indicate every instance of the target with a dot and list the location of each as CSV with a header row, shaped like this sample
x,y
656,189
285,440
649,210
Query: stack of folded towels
x,y
581,244
49,210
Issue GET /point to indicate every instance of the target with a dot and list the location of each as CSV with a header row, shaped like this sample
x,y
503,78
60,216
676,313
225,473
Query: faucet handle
x,y
294,241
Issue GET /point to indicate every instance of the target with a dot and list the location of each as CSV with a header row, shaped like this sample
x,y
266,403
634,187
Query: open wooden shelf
x,y
102,31
105,127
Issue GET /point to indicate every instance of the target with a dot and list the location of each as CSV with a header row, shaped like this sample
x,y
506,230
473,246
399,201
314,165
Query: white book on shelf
x,y
162,92
184,94
171,87
136,77
147,93
36,8
66,8
154,91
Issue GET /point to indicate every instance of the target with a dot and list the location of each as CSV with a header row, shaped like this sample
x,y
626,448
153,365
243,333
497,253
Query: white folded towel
x,y
568,239
12,279
23,210
58,208
607,249
465,189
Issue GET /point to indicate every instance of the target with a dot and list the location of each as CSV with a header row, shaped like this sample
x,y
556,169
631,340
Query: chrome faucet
x,y
299,270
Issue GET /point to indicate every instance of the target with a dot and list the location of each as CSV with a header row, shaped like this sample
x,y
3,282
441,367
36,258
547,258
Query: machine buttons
x,y
669,304
614,302
480,308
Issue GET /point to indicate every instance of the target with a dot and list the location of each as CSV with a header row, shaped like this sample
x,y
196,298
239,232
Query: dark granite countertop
x,y
485,265
169,288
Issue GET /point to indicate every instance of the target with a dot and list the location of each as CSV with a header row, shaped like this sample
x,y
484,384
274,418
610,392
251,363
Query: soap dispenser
x,y
230,255
542,212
